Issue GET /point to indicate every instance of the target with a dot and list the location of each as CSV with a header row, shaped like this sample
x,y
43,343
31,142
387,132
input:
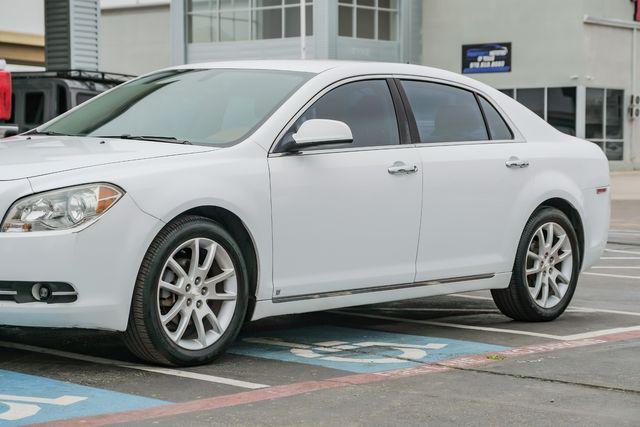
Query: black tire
x,y
145,336
515,301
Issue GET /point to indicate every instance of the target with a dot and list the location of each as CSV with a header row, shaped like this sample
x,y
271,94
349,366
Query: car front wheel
x,y
191,295
546,269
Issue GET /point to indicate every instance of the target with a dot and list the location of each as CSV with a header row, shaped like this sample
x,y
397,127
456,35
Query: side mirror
x,y
316,132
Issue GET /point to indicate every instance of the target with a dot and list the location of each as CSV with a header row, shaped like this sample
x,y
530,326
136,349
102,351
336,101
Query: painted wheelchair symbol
x,y
330,350
20,407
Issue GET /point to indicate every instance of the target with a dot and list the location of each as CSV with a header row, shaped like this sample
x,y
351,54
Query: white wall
x,y
22,16
135,40
546,37
551,46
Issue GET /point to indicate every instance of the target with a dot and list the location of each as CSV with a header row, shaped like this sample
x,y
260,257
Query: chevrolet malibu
x,y
184,203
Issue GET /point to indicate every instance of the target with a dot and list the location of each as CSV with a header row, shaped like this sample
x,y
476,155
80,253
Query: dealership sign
x,y
486,58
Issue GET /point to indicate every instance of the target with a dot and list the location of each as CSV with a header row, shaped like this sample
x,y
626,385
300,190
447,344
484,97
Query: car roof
x,y
343,68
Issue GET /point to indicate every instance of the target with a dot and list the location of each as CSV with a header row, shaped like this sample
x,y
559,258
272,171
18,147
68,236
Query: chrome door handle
x,y
514,162
401,168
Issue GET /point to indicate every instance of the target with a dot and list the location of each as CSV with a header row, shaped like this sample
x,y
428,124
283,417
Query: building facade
x,y
22,34
573,62
379,30
135,36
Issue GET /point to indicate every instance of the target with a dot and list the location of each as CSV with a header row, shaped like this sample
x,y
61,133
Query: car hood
x,y
25,157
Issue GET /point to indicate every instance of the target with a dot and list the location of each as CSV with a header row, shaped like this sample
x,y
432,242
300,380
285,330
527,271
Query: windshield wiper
x,y
171,139
46,132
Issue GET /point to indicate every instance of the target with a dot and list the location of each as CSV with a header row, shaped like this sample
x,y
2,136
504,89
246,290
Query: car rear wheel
x,y
546,269
191,295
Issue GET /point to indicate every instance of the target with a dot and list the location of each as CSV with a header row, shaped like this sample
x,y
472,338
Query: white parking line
x,y
437,309
571,308
614,267
472,297
120,364
624,232
621,257
616,276
450,325
620,251
592,334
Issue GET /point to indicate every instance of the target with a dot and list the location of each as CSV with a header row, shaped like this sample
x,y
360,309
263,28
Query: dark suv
x,y
38,97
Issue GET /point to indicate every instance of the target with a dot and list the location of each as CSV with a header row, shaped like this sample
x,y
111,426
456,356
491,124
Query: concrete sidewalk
x,y
625,185
625,208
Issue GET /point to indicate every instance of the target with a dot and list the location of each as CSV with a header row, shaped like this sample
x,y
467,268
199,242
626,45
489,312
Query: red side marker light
x,y
601,190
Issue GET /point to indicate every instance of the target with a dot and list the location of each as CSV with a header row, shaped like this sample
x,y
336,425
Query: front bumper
x,y
101,262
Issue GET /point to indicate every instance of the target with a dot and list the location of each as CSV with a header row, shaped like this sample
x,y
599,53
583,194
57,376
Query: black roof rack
x,y
86,75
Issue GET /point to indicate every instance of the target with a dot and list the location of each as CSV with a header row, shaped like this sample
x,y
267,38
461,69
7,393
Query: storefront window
x,y
211,21
561,109
556,105
605,120
368,19
595,114
533,99
508,92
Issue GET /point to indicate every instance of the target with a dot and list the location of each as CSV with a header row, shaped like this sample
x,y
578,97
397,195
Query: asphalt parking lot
x,y
445,360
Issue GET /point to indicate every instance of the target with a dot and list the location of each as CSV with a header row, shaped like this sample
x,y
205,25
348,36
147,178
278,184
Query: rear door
x,y
471,179
343,217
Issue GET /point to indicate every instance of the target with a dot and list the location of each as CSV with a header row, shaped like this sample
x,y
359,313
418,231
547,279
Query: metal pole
x,y
303,29
634,146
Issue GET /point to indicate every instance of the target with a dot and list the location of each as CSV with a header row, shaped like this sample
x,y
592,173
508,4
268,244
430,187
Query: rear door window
x,y
445,113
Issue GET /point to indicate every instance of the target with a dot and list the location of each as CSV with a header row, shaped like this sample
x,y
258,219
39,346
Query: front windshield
x,y
216,107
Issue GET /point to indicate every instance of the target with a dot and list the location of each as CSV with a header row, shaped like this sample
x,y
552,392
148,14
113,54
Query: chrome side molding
x,y
383,288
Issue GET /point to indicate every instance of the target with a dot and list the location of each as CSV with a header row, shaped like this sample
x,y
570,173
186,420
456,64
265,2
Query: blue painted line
x,y
22,388
363,357
504,69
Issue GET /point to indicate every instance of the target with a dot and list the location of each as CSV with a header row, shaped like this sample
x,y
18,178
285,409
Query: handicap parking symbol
x,y
21,407
29,399
356,350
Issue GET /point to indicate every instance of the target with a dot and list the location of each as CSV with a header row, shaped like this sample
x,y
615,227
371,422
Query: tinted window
x,y
533,99
561,109
445,113
62,104
34,107
615,113
12,119
508,92
208,107
83,97
497,126
595,114
366,106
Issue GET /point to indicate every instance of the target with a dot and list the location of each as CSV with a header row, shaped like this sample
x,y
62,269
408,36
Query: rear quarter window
x,y
497,126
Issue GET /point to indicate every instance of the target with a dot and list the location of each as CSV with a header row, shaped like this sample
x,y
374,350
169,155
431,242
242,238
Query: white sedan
x,y
181,204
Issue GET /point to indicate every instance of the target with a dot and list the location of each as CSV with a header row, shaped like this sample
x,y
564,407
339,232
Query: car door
x,y
347,217
473,172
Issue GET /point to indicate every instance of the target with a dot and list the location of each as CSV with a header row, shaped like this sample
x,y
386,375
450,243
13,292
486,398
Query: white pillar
x,y
303,29
178,33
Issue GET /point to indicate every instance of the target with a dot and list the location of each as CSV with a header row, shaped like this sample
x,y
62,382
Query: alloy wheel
x,y
197,293
549,265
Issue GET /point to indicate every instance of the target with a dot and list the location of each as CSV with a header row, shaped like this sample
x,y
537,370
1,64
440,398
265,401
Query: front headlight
x,y
61,209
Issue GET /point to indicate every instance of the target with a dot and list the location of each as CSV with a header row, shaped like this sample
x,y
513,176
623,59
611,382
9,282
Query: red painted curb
x,y
295,389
